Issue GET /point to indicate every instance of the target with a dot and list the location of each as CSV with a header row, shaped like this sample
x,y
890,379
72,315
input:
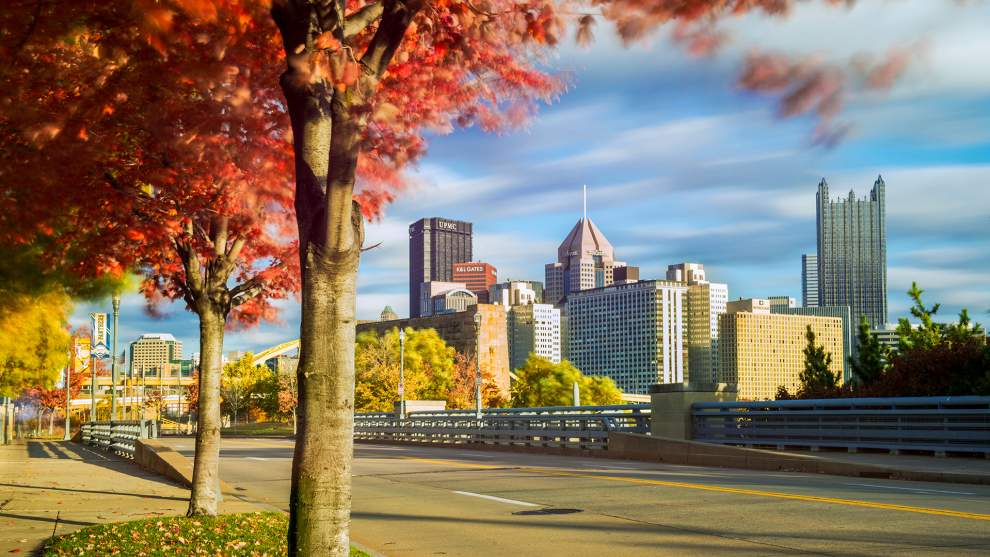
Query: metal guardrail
x,y
931,424
118,437
582,427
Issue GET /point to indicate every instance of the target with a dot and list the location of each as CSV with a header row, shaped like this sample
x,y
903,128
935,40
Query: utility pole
x,y
402,374
477,359
113,354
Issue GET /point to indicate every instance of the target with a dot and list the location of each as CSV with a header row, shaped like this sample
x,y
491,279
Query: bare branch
x,y
219,226
362,19
369,248
396,17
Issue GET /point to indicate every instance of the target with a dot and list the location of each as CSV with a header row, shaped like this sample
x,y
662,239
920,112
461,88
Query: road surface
x,y
412,500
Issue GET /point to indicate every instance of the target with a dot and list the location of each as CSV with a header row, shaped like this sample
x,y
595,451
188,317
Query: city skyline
x,y
670,180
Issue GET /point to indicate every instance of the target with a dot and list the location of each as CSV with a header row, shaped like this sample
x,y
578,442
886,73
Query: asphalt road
x,y
439,501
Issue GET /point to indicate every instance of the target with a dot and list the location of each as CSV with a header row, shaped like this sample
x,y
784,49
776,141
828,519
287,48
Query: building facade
x,y
533,329
809,280
759,352
633,333
429,291
850,346
459,331
516,292
852,252
705,302
478,276
157,355
453,301
778,302
435,244
585,260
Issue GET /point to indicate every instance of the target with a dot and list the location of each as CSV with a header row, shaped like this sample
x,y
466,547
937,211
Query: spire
x,y
584,212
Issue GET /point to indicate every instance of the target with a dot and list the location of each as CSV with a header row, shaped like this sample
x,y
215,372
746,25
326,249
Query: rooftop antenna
x,y
584,214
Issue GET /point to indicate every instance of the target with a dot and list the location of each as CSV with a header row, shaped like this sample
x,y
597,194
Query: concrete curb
x,y
166,461
634,446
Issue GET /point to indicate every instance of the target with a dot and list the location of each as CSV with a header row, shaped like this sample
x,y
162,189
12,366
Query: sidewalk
x,y
55,487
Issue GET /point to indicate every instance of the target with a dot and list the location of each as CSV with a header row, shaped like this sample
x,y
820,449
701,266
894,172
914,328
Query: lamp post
x,y
92,385
68,397
477,359
113,354
402,374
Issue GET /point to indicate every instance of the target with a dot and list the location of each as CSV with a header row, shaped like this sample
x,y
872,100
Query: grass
x,y
249,534
263,428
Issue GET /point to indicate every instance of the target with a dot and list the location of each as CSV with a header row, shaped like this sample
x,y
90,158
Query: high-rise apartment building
x,y
516,292
759,352
154,355
435,244
809,280
584,260
533,329
850,346
477,276
633,333
852,253
705,302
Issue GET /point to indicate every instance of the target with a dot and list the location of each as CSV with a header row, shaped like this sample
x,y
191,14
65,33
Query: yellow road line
x,y
722,489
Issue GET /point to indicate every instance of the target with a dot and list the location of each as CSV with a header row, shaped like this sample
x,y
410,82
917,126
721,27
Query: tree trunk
x,y
205,496
51,423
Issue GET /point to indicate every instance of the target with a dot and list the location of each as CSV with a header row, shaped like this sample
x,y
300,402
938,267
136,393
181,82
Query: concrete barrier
x,y
163,460
633,446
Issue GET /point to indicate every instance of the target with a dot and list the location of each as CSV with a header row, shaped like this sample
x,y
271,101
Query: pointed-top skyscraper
x,y
585,260
852,252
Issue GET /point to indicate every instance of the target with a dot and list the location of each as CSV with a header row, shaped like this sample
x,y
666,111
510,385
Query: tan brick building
x,y
458,330
759,352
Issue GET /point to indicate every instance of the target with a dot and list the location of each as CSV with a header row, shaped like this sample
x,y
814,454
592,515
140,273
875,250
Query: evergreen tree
x,y
871,362
816,377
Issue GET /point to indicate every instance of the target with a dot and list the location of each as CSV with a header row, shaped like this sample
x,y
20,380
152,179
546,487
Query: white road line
x,y
919,490
498,499
256,458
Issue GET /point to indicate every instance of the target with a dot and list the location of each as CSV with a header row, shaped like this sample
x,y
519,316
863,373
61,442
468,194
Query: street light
x,y
402,374
113,354
477,358
68,396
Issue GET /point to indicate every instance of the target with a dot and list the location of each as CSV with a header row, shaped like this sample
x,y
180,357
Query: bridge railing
x,y
118,437
582,427
930,424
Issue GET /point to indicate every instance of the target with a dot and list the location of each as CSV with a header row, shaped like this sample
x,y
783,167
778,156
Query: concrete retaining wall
x,y
163,460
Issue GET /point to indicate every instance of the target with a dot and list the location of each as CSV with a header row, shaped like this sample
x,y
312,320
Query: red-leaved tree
x,y
152,132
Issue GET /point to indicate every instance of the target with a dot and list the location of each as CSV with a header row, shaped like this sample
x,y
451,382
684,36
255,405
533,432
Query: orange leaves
x,y
204,10
327,41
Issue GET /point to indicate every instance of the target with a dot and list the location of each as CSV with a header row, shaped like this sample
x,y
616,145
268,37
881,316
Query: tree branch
x,y
362,19
396,16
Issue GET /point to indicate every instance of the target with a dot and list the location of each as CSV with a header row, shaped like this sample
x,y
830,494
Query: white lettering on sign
x,y
446,225
475,269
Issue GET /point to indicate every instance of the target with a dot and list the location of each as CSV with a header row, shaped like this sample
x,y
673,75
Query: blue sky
x,y
682,166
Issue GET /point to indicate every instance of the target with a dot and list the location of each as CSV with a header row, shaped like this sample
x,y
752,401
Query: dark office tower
x,y
852,253
435,244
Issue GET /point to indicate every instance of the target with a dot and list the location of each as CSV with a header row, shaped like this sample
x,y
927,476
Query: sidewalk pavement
x,y
54,487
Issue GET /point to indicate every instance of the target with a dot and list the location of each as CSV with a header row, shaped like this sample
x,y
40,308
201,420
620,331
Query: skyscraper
x,y
435,244
533,329
705,302
809,280
852,253
478,276
584,260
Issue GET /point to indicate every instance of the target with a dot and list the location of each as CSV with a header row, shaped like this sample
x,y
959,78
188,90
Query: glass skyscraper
x,y
852,253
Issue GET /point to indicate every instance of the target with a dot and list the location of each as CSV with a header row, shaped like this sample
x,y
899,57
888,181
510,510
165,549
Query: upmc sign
x,y
447,225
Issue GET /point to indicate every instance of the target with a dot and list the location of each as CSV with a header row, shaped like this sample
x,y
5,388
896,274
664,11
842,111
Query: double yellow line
x,y
716,488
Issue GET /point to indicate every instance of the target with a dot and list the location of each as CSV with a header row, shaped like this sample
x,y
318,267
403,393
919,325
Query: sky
x,y
681,165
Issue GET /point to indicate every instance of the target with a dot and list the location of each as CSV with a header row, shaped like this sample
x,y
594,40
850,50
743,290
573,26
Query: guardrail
x,y
118,437
581,427
931,424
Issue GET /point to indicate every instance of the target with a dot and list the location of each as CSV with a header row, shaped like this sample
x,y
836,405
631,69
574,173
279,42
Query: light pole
x,y
477,359
92,385
113,354
402,374
68,397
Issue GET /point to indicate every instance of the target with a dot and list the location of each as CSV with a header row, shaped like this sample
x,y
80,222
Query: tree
x,y
362,82
816,377
540,382
288,397
462,395
429,368
34,342
871,361
53,400
240,381
928,333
